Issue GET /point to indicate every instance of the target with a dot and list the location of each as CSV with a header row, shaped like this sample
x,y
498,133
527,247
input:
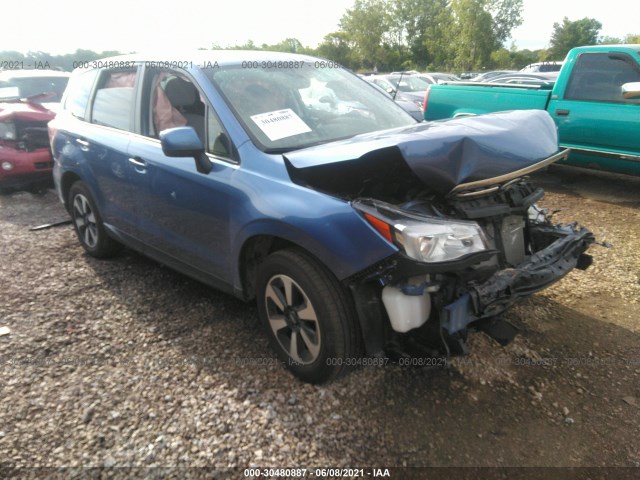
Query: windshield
x,y
291,108
30,86
409,83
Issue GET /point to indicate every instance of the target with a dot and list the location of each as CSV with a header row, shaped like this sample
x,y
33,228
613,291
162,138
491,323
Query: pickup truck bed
x,y
595,103
469,102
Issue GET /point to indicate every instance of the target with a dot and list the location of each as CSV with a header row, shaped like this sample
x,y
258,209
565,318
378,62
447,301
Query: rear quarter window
x,y
115,100
78,92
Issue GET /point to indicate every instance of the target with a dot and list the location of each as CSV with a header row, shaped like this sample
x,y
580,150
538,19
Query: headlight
x,y
437,240
423,238
7,166
7,131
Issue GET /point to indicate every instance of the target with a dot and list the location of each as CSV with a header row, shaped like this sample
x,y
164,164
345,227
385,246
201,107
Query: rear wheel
x,y
88,223
308,316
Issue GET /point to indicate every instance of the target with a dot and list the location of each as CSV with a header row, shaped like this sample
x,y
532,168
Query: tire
x,y
88,223
309,317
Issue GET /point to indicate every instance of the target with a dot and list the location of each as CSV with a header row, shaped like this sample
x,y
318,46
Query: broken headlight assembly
x,y
424,238
7,131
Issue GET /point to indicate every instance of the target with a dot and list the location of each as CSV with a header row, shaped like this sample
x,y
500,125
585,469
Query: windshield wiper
x,y
397,86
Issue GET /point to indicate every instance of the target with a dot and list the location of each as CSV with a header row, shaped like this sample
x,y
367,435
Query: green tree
x,y
248,45
338,46
568,35
474,40
368,25
423,27
610,41
521,58
630,38
290,45
500,59
393,34
507,15
481,27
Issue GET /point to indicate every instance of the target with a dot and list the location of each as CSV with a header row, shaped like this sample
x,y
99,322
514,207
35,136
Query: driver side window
x,y
174,101
598,77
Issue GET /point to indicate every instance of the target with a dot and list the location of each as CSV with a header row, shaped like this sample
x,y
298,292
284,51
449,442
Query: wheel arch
x,y
369,315
66,182
344,244
254,250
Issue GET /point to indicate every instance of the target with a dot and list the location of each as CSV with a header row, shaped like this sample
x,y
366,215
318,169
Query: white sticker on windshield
x,y
280,124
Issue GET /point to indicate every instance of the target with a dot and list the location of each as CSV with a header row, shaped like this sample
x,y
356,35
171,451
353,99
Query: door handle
x,y
84,145
562,112
139,164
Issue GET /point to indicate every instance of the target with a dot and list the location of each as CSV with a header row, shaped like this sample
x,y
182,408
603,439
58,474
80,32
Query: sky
x,y
143,25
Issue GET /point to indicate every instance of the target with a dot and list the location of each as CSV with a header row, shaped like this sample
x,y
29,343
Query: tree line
x,y
388,35
448,35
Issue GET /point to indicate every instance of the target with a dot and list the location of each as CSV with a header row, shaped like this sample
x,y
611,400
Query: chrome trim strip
x,y
491,182
603,153
478,193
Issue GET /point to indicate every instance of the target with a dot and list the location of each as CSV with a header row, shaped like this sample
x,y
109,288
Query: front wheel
x,y
308,316
88,223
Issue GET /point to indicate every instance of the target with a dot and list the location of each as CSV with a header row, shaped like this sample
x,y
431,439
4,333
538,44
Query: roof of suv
x,y
207,57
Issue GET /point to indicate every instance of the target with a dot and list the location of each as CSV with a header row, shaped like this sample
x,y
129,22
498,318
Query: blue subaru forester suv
x,y
289,180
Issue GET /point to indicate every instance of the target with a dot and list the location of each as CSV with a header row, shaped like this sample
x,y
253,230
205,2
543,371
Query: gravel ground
x,y
126,363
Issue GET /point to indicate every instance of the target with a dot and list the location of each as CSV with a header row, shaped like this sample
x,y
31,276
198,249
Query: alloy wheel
x,y
293,319
85,221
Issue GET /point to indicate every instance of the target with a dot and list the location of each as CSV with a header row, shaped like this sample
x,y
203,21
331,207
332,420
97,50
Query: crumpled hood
x,y
441,154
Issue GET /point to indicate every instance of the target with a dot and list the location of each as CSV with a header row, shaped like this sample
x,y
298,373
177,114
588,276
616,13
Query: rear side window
x,y
598,77
114,100
78,92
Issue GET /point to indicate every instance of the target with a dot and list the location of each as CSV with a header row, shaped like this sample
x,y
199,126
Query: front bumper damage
x,y
465,297
505,287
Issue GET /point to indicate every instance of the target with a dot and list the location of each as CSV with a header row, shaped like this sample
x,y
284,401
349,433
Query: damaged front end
x,y
455,200
25,155
462,261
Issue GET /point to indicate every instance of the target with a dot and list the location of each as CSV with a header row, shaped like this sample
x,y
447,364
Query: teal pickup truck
x,y
595,103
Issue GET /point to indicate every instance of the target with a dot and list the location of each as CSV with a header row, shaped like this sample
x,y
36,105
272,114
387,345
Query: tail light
x,y
426,99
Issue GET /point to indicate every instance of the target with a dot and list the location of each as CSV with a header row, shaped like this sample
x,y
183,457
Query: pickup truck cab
x,y
595,102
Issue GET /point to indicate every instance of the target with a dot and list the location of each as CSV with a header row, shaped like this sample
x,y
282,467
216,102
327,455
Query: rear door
x,y
104,142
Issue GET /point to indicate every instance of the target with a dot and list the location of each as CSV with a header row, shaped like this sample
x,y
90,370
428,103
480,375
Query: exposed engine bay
x,y
471,239
428,308
440,301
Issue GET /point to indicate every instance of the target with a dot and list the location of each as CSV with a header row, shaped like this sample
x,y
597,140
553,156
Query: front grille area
x,y
32,135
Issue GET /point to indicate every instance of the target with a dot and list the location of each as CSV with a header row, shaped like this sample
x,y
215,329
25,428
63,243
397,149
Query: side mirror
x,y
631,90
184,142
